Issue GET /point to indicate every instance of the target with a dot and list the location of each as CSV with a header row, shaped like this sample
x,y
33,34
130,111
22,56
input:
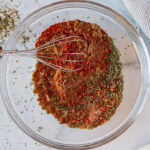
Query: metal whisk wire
x,y
34,53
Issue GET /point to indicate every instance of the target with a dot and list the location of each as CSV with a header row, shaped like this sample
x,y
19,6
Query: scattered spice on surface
x,y
30,67
21,112
9,17
102,18
36,1
40,128
14,71
25,39
86,98
25,144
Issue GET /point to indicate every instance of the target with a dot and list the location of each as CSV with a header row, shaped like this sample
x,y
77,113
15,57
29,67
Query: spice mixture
x,y
88,97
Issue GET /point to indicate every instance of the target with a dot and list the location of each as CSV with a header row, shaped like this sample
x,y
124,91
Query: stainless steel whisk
x,y
57,41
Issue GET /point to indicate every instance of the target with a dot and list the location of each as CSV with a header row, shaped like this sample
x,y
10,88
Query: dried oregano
x,y
9,17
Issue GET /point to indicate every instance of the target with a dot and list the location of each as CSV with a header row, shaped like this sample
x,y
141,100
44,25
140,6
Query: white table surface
x,y
12,138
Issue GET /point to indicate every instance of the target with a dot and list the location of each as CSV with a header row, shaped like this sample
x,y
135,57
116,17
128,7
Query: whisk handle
x,y
1,51
6,52
13,52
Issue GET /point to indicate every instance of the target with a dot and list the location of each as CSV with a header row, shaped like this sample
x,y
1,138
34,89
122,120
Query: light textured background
x,y
12,138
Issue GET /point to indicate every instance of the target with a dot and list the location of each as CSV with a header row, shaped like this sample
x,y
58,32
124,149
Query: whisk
x,y
35,53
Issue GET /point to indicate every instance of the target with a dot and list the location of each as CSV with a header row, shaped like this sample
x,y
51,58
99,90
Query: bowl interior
x,y
19,77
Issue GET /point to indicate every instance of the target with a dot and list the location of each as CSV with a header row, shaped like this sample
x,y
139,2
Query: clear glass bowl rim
x,y
145,76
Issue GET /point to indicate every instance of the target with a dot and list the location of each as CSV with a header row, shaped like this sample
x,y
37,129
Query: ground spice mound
x,y
88,97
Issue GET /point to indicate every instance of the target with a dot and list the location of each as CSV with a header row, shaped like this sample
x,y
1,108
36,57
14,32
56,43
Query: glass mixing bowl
x,y
16,76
